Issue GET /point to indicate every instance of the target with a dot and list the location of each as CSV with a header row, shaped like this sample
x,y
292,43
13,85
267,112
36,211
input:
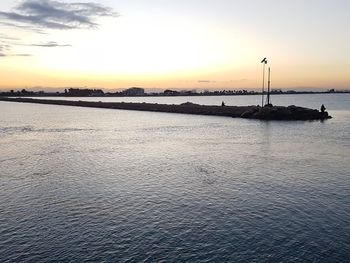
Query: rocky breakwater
x,y
249,112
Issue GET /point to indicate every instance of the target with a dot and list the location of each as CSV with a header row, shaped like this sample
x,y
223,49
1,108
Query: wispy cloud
x,y
6,37
14,55
206,81
4,47
22,27
38,16
5,52
47,44
20,55
50,14
7,43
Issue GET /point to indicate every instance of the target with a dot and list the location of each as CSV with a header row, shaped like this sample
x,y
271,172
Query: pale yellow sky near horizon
x,y
185,45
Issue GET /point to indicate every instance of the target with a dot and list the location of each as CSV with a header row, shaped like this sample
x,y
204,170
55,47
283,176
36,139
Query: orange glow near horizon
x,y
245,78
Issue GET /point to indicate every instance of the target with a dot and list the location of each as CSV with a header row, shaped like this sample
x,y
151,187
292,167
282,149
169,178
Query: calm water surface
x,y
332,101
99,185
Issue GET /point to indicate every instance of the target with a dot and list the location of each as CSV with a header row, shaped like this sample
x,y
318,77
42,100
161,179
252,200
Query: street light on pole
x,y
268,88
264,61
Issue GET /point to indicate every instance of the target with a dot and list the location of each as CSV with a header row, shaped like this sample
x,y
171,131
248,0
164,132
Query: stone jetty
x,y
248,112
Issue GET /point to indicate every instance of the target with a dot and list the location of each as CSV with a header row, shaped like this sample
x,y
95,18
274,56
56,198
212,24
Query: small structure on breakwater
x,y
248,112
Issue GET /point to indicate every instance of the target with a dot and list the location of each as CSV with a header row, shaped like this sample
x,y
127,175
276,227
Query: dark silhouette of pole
x,y
268,87
264,61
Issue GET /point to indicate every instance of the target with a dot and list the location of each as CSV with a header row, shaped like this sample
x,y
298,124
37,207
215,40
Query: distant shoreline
x,y
90,93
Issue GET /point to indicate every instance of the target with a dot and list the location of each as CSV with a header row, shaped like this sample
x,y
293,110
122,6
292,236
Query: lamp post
x,y
264,61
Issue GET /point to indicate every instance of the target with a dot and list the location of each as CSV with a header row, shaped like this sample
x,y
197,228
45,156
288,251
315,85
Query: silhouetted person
x,y
222,104
323,108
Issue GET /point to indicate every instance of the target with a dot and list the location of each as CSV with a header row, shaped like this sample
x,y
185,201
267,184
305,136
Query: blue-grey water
x,y
332,101
100,185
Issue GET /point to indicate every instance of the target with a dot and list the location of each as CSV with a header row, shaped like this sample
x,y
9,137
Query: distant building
x,y
171,92
276,91
97,93
134,92
84,92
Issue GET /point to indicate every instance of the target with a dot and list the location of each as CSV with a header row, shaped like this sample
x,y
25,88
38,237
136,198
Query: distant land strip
x,y
248,112
140,92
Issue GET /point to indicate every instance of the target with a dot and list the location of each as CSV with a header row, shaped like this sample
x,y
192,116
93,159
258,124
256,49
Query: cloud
x,y
23,27
14,55
6,37
20,55
206,81
50,44
7,43
47,44
5,49
50,14
40,15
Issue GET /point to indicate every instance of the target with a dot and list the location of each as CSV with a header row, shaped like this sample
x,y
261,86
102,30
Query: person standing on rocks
x,y
323,108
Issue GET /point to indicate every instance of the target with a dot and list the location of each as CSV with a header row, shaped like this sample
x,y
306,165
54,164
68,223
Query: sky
x,y
182,44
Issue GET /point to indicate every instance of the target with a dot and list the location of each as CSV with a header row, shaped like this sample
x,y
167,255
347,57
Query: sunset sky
x,y
184,44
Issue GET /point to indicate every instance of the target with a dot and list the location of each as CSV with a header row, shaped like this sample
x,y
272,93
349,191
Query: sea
x,y
103,185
